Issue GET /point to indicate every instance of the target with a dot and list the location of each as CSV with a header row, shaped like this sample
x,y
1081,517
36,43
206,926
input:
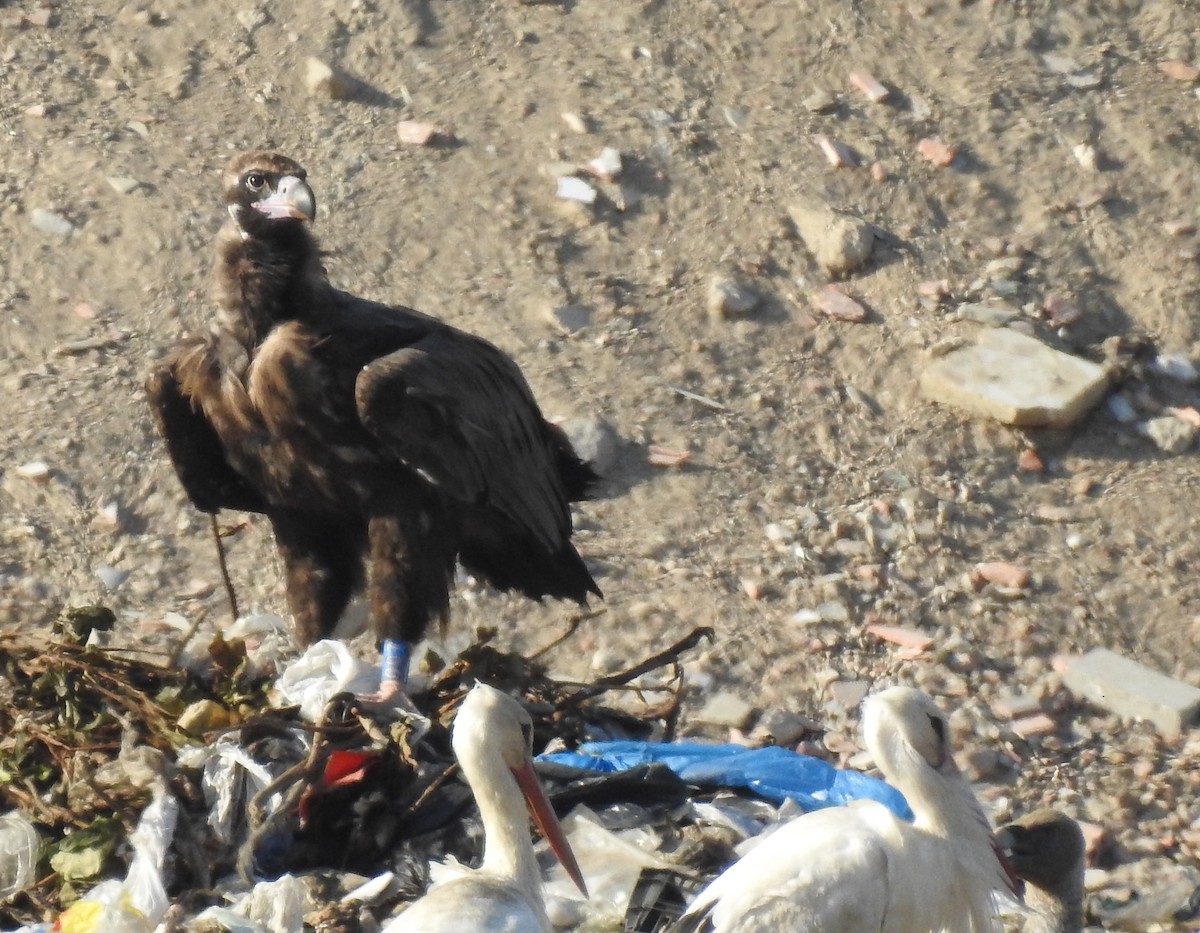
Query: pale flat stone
x,y
726,709
1127,688
1016,379
838,242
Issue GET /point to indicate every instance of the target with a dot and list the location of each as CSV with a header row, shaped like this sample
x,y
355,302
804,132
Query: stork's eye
x,y
939,727
527,732
255,181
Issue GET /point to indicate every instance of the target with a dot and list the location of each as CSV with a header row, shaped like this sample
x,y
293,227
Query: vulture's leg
x,y
408,587
323,561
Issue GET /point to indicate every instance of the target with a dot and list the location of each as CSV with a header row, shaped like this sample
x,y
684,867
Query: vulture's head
x,y
1046,848
267,195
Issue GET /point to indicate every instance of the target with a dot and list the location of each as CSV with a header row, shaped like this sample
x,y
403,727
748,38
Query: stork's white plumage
x,y
857,868
493,739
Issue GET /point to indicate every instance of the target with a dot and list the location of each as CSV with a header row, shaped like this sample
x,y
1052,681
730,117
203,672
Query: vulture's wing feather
x,y
195,450
458,410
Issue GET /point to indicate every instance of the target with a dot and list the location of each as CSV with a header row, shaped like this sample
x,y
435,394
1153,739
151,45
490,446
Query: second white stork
x,y
857,868
493,739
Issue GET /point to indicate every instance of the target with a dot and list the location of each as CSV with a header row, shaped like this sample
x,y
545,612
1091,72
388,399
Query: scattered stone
x,y
37,471
36,110
1036,726
111,577
937,153
839,243
848,693
324,80
727,710
594,440
1189,415
1060,311
1179,70
575,189
606,166
783,727
85,311
1121,408
1179,227
836,154
1134,691
569,319
139,127
108,517
993,313
42,18
1029,461
416,132
981,764
871,87
902,636
819,101
666,457
879,173
1175,366
1000,573
252,20
1017,380
121,184
1086,156
728,297
753,587
937,289
1171,435
1015,706
50,222
197,588
575,123
835,303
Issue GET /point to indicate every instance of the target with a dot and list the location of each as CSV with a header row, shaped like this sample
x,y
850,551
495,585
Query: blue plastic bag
x,y
772,772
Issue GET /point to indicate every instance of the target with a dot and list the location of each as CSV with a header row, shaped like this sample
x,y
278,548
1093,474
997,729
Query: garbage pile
x,y
208,792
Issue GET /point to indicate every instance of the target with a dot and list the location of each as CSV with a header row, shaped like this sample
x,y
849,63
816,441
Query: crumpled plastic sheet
x,y
326,668
772,772
231,778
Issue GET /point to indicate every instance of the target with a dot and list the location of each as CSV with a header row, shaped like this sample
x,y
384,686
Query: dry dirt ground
x,y
818,477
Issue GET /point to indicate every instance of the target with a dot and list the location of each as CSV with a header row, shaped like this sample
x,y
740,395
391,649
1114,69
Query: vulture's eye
x,y
255,181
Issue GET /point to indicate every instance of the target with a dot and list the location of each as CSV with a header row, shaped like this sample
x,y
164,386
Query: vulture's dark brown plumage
x,y
373,437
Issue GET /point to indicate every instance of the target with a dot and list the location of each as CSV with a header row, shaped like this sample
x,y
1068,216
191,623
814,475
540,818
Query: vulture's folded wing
x,y
195,450
457,410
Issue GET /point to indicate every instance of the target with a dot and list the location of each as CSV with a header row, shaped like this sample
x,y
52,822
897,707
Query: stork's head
x,y
905,730
491,724
267,195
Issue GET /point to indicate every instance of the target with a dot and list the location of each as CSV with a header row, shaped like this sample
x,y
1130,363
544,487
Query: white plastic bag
x,y
136,904
325,669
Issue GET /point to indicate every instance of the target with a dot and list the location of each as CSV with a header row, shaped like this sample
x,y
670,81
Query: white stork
x,y
1048,852
859,868
493,737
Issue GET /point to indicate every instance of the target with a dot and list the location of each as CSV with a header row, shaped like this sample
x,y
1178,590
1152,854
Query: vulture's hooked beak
x,y
292,198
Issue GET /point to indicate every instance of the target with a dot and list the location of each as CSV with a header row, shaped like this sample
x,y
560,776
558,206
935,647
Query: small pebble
x,y
50,222
324,80
1000,573
575,123
835,303
871,87
575,189
111,577
416,132
937,153
37,471
1179,70
1170,434
606,166
1030,462
729,297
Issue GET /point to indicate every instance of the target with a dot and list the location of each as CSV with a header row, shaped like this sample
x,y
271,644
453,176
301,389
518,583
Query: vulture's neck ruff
x,y
268,267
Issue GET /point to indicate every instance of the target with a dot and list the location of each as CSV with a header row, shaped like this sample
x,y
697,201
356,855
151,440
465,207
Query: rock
x,y
1134,691
819,101
783,727
1179,71
871,87
1015,706
1017,380
1035,726
904,637
324,80
835,303
594,440
1060,311
838,242
121,184
1000,573
416,132
1121,408
937,153
606,166
37,471
50,222
1175,366
575,123
730,297
1170,434
727,710
570,318
992,313
848,693
571,188
111,577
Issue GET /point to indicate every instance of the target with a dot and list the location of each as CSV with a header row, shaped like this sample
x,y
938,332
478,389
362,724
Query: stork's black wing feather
x,y
457,410
195,450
